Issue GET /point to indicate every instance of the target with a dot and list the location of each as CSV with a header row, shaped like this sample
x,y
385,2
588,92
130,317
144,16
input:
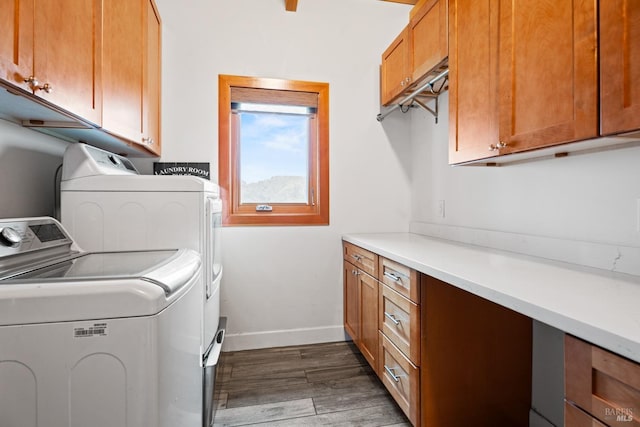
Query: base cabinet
x,y
601,388
360,293
447,357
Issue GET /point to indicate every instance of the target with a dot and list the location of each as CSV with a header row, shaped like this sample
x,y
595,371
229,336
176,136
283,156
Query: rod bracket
x,y
426,90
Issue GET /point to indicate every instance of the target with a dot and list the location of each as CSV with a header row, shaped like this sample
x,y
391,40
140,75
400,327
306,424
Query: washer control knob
x,y
9,236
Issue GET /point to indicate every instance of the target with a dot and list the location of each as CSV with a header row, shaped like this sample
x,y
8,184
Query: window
x,y
273,151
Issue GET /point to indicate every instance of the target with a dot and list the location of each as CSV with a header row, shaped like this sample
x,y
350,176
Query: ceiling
x,y
292,5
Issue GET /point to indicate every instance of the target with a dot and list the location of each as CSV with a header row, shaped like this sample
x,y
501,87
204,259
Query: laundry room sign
x,y
195,169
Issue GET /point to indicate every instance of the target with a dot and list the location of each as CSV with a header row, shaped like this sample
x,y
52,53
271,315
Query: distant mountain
x,y
277,189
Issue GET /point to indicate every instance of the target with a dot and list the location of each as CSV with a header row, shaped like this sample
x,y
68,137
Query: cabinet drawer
x,y
575,417
605,385
400,278
361,258
400,322
401,377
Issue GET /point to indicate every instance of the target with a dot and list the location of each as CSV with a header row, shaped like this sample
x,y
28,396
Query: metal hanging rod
x,y
412,96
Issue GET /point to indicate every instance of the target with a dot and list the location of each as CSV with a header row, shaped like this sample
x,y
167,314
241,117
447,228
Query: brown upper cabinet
x,y
420,48
132,72
429,34
153,82
99,61
473,78
53,49
524,75
395,70
619,66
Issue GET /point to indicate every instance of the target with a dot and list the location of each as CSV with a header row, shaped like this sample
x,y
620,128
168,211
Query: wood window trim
x,y
233,214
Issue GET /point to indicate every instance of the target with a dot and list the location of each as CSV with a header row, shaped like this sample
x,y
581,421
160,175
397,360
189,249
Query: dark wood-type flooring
x,y
312,385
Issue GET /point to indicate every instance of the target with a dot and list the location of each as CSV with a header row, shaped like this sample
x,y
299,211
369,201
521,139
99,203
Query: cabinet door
x,y
575,417
123,68
619,66
429,37
351,303
473,78
603,384
16,41
151,104
548,73
395,68
67,54
369,318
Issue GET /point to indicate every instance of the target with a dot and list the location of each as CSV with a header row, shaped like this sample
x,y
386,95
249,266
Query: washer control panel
x,y
30,234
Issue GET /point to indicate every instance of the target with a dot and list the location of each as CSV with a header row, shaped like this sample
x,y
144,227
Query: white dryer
x,y
108,206
96,339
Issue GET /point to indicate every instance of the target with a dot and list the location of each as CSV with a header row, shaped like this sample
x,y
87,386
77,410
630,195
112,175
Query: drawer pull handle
x,y
357,257
392,318
355,272
391,373
392,276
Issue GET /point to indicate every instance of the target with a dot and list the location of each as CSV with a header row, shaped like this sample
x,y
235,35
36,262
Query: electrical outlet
x,y
440,208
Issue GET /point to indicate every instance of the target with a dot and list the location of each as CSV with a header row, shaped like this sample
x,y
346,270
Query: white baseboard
x,y
283,338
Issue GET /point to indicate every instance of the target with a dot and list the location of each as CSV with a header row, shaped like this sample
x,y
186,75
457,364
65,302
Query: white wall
x,y
581,209
283,285
583,202
28,161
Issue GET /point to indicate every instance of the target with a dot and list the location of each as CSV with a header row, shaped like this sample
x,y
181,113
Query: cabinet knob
x,y
147,141
32,81
34,85
46,87
498,146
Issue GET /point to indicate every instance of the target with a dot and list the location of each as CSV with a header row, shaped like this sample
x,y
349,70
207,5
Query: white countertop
x,y
599,306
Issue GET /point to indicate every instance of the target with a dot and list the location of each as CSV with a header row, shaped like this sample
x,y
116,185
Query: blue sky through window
x,y
274,150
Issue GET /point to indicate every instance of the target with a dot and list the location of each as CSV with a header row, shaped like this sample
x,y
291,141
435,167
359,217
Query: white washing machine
x,y
108,206
96,339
